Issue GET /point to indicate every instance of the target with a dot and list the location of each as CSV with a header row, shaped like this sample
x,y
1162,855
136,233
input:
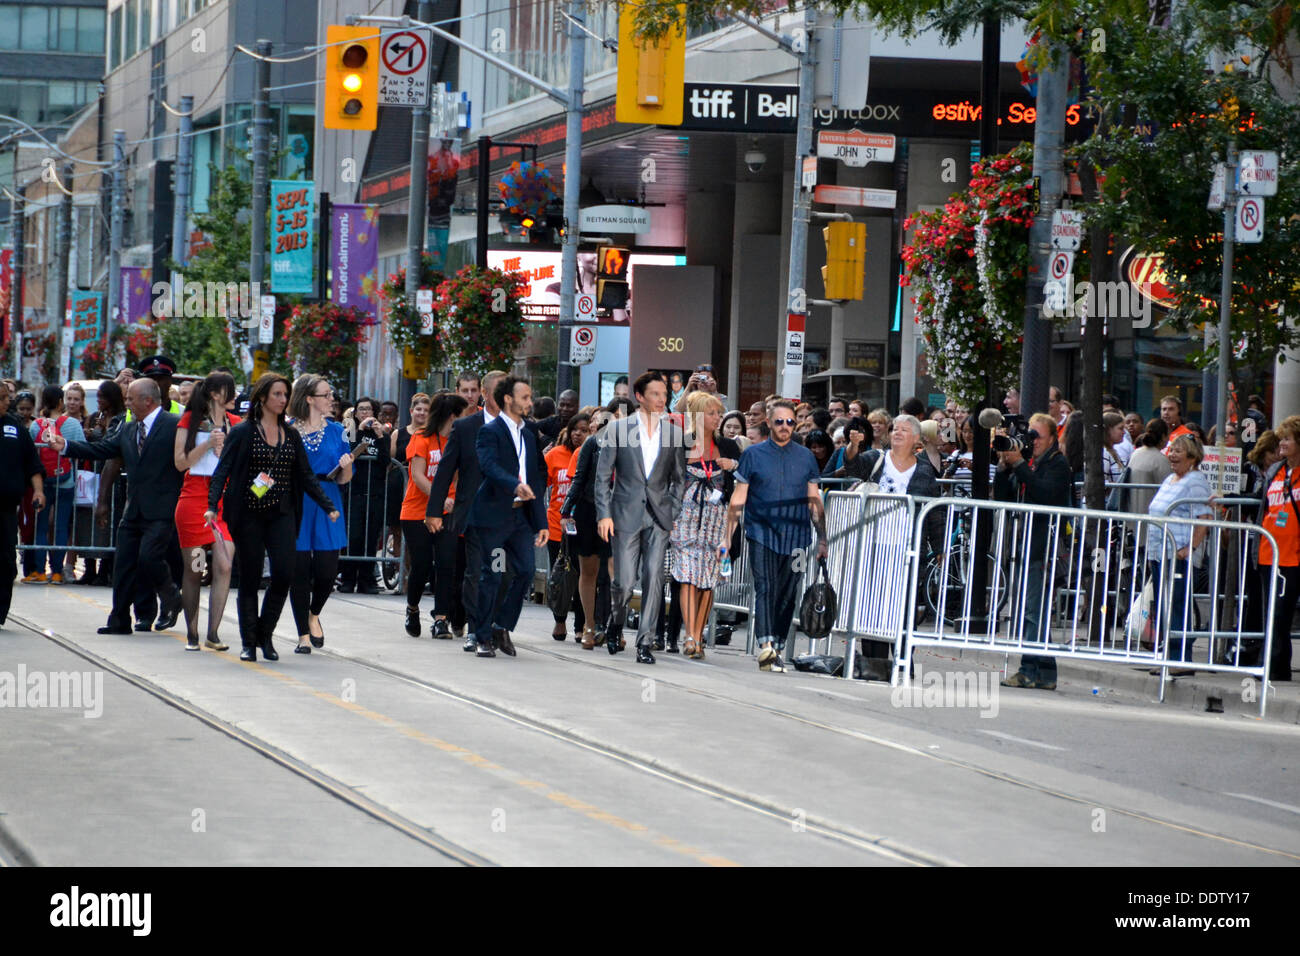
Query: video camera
x,y
1017,437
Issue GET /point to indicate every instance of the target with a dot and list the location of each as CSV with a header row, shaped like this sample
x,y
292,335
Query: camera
x,y
755,160
1003,443
1017,437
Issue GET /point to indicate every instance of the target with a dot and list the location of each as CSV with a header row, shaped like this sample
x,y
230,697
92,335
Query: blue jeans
x,y
60,503
1036,667
1180,616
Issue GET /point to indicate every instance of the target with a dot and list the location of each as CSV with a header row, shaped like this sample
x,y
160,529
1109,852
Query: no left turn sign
x,y
404,68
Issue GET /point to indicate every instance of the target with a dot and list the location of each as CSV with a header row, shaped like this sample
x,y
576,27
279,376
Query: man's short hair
x,y
504,387
643,382
912,406
621,403
1110,400
1176,400
464,377
780,403
1041,418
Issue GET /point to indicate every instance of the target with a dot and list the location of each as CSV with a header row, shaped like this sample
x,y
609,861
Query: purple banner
x,y
136,295
354,257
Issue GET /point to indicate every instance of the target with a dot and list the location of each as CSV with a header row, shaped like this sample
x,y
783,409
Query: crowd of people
x,y
659,488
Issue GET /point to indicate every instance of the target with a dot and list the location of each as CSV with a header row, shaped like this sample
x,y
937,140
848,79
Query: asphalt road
x,y
386,749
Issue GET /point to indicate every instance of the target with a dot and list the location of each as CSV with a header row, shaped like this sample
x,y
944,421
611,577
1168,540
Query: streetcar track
x,y
831,829
325,782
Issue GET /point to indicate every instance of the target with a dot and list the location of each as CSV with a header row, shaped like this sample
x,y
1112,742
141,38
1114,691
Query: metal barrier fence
x,y
68,522
372,539
1123,596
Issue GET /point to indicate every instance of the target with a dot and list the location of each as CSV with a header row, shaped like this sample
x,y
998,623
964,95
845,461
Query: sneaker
x,y
458,632
413,621
441,629
1018,679
778,666
484,650
36,577
56,578
1044,685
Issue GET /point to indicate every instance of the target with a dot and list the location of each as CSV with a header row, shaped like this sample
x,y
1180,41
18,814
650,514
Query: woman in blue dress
x,y
319,539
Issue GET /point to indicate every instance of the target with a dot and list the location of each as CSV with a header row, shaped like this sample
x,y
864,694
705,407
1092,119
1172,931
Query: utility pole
x,y
261,163
184,166
63,246
481,206
419,191
795,316
115,229
1049,172
20,266
1225,300
572,186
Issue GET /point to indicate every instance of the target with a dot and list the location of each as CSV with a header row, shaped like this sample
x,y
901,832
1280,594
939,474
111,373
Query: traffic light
x,y
846,255
651,77
611,277
351,77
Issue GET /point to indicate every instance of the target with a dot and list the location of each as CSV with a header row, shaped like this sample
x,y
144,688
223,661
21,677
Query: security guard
x,y
19,466
161,369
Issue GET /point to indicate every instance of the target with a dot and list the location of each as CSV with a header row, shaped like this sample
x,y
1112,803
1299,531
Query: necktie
x,y
139,438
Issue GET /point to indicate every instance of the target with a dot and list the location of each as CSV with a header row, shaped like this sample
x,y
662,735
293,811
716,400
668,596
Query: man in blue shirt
x,y
776,488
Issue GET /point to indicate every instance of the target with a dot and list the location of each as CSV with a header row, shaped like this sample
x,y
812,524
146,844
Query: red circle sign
x,y
586,304
1250,214
403,58
1060,265
583,337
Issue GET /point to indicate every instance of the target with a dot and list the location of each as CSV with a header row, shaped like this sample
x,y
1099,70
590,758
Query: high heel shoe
x,y
588,638
268,650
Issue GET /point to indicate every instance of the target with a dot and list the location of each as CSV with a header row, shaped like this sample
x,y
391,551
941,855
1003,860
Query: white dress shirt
x,y
146,425
649,443
517,437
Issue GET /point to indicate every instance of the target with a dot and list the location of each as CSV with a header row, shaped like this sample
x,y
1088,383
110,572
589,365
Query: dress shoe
x,y
247,653
171,610
112,629
302,649
659,644
643,655
484,650
214,644
268,650
501,638
143,626
672,646
614,643
471,644
192,643
317,640
413,621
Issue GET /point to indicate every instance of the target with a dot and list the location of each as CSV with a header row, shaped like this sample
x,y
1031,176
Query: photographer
x,y
1044,479
701,380
368,442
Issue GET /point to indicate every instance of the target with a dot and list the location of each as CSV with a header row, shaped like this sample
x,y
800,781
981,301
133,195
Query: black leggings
x,y
313,580
434,559
579,616
262,535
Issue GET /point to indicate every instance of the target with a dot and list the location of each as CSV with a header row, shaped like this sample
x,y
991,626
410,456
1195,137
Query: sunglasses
x,y
783,421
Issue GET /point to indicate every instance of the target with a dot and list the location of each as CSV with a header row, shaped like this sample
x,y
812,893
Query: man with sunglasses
x,y
1043,479
776,489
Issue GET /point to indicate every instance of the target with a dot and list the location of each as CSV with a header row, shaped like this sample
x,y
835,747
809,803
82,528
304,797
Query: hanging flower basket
x,y
401,317
526,191
967,266
481,318
325,339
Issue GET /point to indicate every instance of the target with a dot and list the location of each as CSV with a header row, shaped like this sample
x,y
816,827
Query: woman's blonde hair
x,y
1289,427
697,403
1191,446
1265,445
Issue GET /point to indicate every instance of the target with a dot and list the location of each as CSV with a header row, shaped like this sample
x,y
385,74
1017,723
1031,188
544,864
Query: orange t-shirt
x,y
1180,430
430,449
560,462
1281,522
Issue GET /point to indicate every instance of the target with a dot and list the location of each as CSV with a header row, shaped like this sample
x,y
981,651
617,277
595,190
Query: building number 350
x,y
677,344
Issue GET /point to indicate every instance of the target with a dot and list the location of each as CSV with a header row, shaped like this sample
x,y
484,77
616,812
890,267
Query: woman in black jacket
x,y
369,444
594,561
261,479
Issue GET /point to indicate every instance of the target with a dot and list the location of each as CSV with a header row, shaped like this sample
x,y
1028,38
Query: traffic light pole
x,y
572,185
793,321
184,165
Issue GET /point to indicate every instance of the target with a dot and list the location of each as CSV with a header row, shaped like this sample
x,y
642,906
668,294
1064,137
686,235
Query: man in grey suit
x,y
645,455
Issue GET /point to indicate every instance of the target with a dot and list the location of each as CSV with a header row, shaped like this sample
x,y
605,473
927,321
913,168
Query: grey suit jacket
x,y
634,494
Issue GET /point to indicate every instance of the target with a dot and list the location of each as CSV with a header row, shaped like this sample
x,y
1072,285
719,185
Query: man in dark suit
x,y
146,447
460,463
508,513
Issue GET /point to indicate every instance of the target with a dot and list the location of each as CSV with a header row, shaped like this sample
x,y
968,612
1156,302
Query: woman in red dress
x,y
200,436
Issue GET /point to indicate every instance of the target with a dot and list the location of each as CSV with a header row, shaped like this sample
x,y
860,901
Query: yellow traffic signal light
x,y
351,78
651,77
846,257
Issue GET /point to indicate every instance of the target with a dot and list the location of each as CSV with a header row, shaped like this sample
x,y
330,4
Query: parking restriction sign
x,y
1250,219
404,67
586,307
582,348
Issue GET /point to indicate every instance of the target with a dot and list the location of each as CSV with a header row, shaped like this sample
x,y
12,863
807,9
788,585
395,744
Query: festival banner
x,y
135,297
87,316
291,235
354,257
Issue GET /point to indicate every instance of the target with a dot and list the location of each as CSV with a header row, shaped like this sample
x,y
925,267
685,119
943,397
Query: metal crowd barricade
x,y
84,536
361,523
1100,559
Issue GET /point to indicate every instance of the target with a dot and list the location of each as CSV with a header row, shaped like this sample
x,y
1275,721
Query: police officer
x,y
19,466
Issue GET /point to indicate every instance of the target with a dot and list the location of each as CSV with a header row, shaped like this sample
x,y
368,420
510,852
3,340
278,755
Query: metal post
x,y
19,261
484,182
324,237
796,299
1049,170
184,165
572,185
116,226
419,192
63,247
1225,299
261,162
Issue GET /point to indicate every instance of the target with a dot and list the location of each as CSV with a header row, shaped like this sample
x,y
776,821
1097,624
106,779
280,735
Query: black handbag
x,y
561,581
819,606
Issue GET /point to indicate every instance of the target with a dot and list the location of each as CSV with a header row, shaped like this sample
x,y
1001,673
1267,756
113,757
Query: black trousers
x,y
142,562
1288,585
8,557
260,536
473,566
579,616
419,548
313,581
515,540
146,598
